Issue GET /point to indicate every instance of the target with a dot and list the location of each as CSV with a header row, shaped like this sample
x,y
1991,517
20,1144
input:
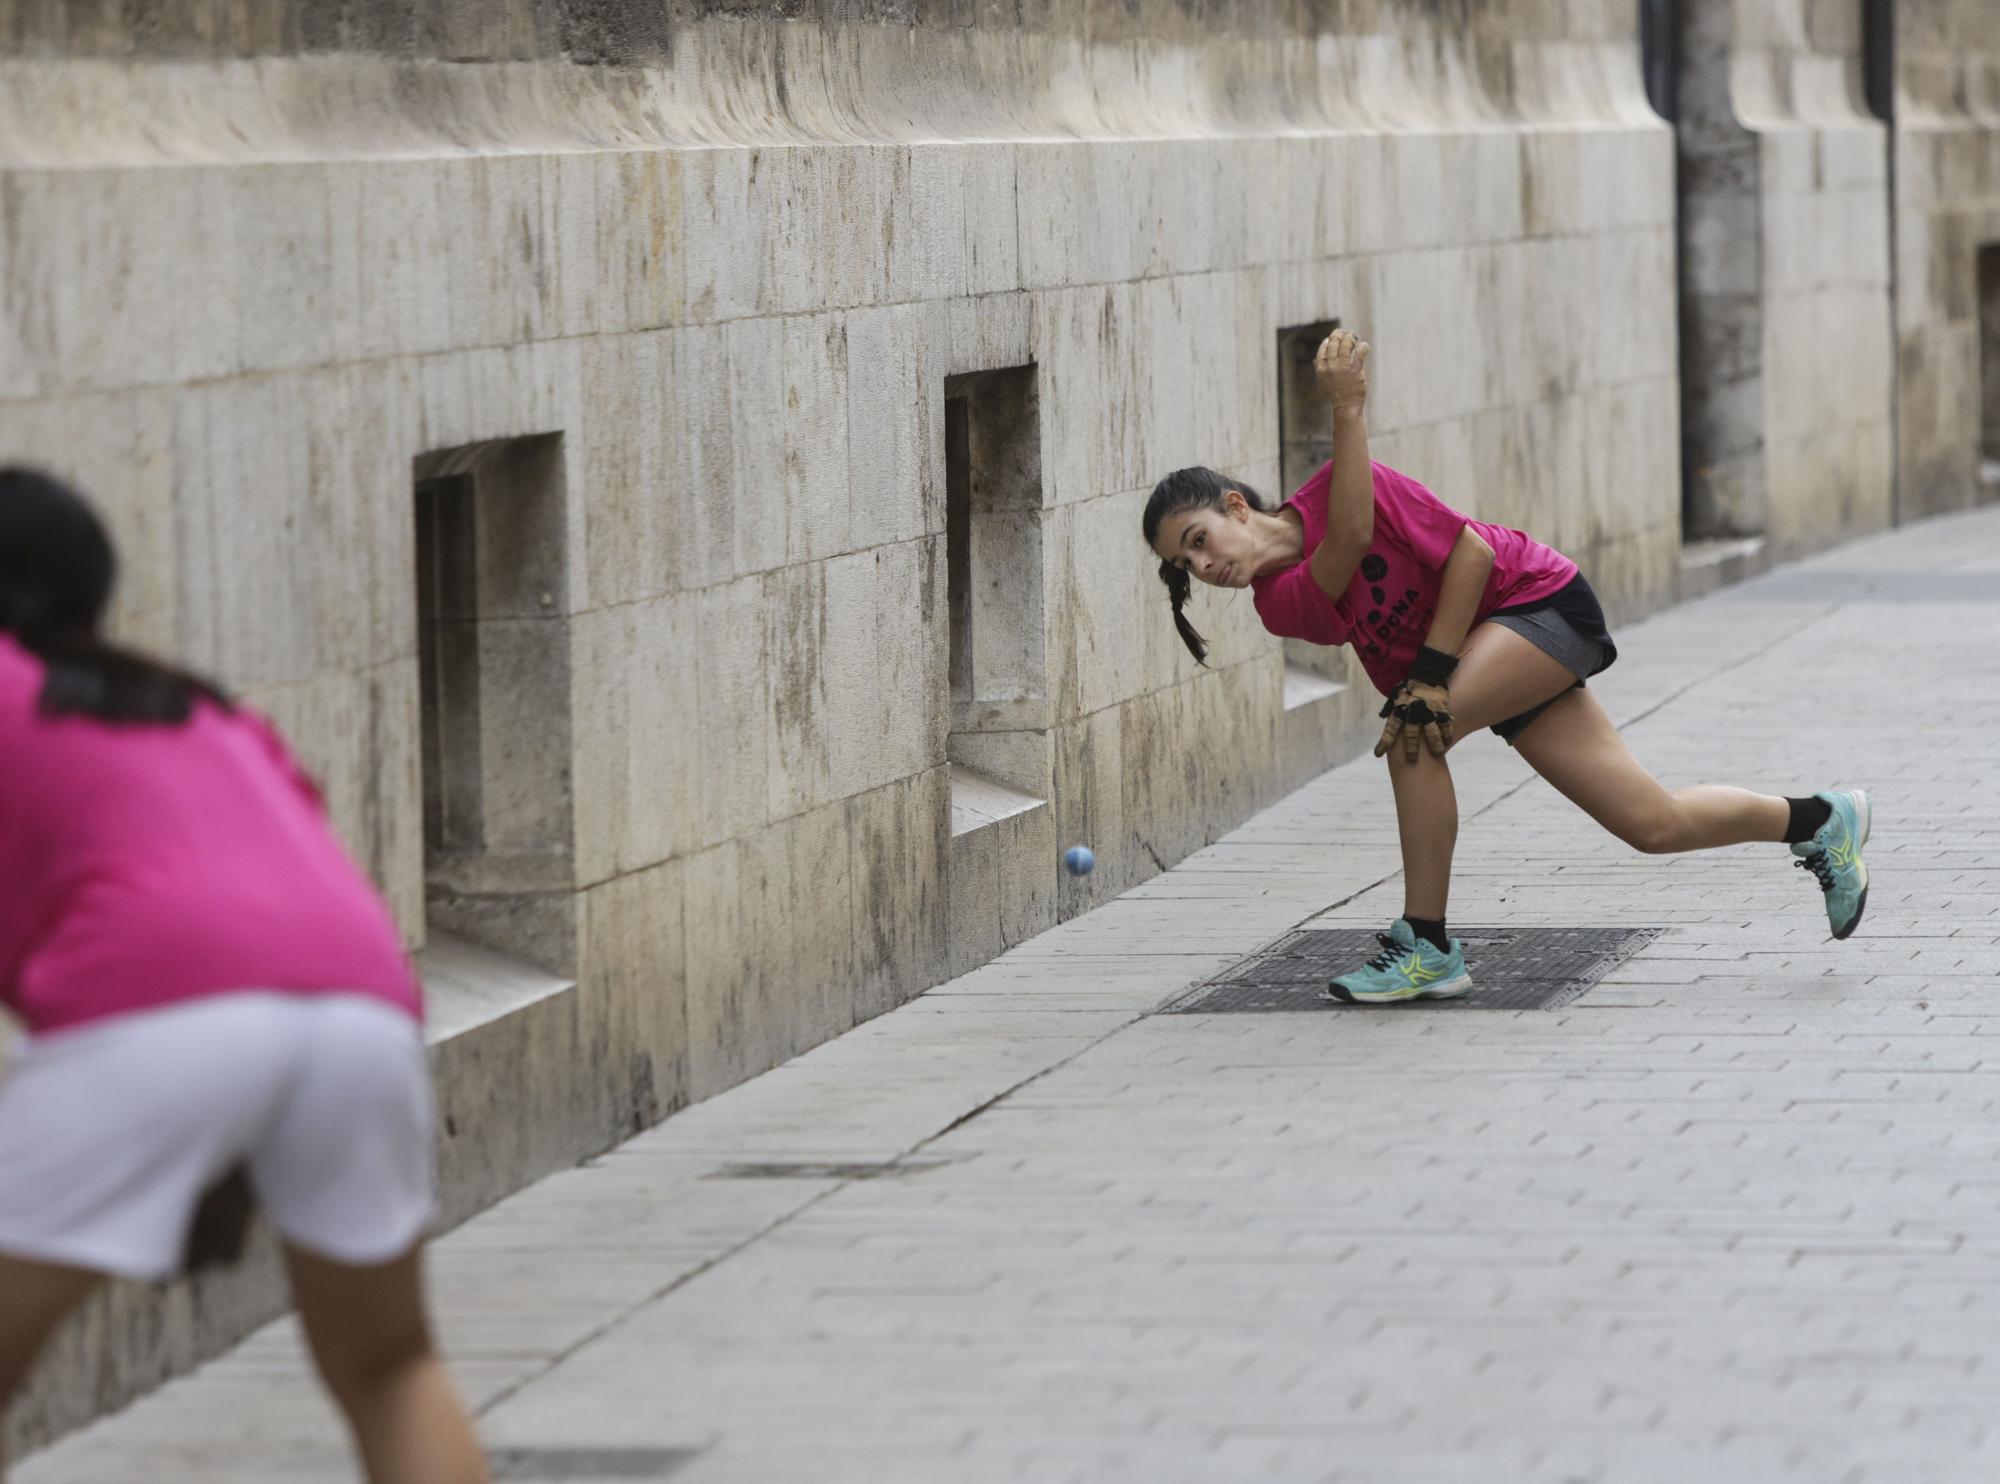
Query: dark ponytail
x,y
1193,488
56,573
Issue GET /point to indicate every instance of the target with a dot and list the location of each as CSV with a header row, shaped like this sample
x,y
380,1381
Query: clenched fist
x,y
1341,369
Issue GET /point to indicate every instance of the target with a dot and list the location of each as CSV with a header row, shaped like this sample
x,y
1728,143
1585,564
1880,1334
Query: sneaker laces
x,y
1821,865
1391,952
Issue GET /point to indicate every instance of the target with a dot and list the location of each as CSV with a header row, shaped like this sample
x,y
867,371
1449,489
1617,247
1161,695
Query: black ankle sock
x,y
1431,932
1807,816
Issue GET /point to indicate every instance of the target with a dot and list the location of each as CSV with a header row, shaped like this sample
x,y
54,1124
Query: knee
x,y
1657,832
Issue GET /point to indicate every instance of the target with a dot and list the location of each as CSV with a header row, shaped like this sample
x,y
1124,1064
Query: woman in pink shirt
x,y
210,989
1461,625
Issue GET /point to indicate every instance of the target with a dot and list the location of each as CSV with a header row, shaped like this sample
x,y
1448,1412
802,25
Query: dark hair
x,y
56,574
1194,488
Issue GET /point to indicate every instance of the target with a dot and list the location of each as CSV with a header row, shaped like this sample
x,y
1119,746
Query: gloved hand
x,y
1417,711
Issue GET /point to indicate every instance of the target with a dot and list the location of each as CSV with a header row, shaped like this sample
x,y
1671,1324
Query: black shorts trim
x,y
1575,602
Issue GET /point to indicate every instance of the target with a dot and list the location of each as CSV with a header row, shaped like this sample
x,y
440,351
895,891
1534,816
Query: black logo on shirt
x,y
1375,567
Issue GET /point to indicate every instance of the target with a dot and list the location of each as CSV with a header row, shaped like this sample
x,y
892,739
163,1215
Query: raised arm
x,y
1341,368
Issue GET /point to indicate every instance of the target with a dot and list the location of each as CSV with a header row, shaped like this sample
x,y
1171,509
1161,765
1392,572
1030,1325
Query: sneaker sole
x,y
1864,815
1860,906
1451,989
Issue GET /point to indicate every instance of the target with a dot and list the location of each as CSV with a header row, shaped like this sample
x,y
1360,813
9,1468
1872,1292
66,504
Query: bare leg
x,y
1499,675
372,1343
1574,745
34,1297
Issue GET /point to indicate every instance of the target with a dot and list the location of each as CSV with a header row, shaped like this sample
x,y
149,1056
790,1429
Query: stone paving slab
x,y
1734,1214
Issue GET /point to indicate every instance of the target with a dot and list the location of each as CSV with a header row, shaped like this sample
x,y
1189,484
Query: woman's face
x,y
1213,546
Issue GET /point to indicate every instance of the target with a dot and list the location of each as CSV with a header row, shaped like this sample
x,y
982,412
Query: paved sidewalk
x,y
1735,1214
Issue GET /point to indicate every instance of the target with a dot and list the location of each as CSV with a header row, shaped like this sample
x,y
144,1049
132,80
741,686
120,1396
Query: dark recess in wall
x,y
1658,55
1878,57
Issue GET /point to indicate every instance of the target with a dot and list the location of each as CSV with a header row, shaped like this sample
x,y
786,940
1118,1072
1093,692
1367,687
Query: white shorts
x,y
110,1132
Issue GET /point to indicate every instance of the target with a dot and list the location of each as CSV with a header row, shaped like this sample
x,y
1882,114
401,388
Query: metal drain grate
x,y
895,1169
590,1465
1513,968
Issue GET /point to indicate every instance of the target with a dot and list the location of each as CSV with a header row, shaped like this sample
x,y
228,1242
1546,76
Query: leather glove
x,y
1419,713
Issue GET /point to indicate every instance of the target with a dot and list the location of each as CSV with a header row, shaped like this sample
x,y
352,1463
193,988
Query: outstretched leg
x,y
1576,748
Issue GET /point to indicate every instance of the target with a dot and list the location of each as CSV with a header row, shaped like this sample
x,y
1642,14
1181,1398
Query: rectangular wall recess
x,y
993,577
494,675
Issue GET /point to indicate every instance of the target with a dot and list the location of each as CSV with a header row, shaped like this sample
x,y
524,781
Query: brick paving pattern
x,y
1733,1214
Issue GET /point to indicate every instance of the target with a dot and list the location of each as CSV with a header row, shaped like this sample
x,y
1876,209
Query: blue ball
x,y
1078,860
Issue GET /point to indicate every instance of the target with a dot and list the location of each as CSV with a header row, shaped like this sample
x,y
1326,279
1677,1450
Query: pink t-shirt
x,y
145,865
1388,606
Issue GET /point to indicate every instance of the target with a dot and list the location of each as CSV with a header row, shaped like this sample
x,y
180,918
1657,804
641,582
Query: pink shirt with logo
x,y
1387,607
141,866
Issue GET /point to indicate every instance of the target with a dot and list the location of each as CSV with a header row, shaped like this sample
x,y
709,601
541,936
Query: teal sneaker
x,y
1833,855
1407,968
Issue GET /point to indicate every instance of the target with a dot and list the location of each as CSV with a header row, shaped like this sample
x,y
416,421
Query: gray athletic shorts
x,y
1569,628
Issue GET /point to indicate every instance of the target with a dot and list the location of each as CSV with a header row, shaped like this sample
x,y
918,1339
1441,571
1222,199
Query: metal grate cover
x,y
1513,968
894,1169
590,1465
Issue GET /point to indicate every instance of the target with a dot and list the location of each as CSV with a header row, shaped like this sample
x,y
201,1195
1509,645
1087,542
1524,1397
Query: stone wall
x,y
1947,194
1787,365
686,321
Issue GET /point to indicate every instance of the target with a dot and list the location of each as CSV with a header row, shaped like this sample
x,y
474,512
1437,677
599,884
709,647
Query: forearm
x,y
1350,496
1460,587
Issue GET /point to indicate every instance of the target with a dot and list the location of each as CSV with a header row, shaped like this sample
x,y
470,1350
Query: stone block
x,y
895,422
817,492
1086,342
421,273
1103,592
824,213
730,759
921,197
633,995
637,774
1084,209
726,213
856,686
641,263
899,842
632,461
773,969
1002,887
283,557
484,396
988,332
137,287
727,508
35,263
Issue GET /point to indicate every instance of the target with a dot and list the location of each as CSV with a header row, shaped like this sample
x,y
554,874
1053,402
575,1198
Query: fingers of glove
x,y
1449,728
1413,743
1434,738
1389,730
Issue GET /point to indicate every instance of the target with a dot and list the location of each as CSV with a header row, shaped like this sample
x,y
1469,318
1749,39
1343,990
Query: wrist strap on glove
x,y
1433,666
